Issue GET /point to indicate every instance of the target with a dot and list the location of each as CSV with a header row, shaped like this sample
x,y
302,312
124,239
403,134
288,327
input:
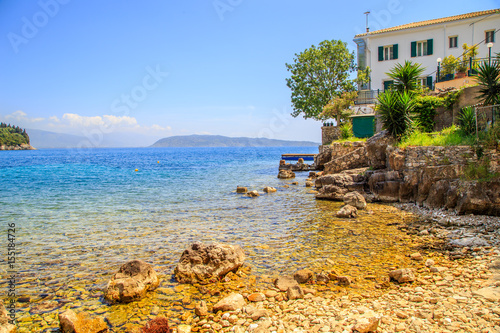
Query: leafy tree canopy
x,y
318,75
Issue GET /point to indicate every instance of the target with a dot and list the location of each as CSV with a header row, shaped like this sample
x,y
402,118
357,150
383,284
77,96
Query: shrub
x,y
394,109
488,77
405,76
346,131
490,138
425,111
467,120
449,65
451,136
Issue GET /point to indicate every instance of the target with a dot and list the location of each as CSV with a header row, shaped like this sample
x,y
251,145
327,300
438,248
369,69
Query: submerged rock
x,y
5,326
347,211
269,189
303,275
241,189
131,283
286,174
285,282
208,263
70,322
253,194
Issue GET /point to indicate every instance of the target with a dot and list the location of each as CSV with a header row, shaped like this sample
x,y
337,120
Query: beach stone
x,y
70,322
270,293
429,263
469,242
207,263
256,297
253,194
286,174
309,183
131,282
355,199
183,329
201,309
303,275
416,256
491,294
344,280
402,275
295,292
347,211
232,302
5,326
285,282
241,189
269,189
438,269
366,324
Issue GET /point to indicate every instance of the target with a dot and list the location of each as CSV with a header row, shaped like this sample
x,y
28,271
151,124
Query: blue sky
x,y
155,68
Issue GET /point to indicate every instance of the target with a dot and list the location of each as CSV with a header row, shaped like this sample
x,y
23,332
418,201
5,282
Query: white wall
x,y
467,33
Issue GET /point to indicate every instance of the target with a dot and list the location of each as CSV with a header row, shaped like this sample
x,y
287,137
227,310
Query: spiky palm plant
x,y
467,120
395,110
405,76
488,77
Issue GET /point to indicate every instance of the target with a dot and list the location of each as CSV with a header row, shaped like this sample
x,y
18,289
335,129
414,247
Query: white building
x,y
425,42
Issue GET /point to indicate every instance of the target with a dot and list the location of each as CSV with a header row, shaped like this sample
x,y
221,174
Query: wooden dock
x,y
295,157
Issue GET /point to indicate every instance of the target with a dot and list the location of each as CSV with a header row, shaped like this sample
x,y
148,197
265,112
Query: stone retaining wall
x,y
329,153
329,134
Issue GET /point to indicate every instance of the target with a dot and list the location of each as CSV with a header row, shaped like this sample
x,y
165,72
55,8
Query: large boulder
x,y
131,283
286,174
402,275
70,322
355,199
208,263
5,325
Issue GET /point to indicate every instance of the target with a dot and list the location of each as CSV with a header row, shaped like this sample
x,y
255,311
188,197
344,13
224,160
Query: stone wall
x,y
445,117
329,134
331,152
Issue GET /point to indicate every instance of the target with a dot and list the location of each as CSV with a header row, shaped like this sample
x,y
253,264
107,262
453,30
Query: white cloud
x,y
21,118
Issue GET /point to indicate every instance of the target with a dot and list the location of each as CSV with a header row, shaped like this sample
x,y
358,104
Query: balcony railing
x,y
470,70
367,97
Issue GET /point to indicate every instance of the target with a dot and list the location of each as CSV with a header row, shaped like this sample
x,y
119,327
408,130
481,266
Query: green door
x,y
363,126
388,85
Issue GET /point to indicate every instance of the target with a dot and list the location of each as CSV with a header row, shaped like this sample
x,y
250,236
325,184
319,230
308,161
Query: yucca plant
x,y
467,120
346,130
405,76
488,77
394,109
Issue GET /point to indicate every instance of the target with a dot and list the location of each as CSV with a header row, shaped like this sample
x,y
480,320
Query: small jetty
x,y
295,157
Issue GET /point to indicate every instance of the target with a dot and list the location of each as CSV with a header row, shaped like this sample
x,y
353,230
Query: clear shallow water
x,y
81,214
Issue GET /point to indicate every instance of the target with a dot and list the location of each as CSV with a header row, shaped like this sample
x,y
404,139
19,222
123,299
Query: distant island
x,y
13,138
224,141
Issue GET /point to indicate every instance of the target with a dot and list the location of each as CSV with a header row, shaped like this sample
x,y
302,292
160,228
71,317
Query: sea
x,y
71,217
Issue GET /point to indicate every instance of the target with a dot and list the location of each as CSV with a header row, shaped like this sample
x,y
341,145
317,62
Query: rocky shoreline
x,y
23,146
456,289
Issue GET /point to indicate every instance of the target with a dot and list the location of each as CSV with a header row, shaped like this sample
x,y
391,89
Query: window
x,y
425,82
388,52
388,85
422,48
490,36
453,42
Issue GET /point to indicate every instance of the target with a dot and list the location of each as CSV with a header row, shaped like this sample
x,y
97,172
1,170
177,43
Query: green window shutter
x,y
430,46
395,50
380,53
429,82
413,49
388,85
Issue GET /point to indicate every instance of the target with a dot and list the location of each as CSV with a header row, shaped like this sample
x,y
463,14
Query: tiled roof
x,y
431,22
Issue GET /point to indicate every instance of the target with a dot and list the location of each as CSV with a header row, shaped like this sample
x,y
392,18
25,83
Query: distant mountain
x,y
46,139
224,141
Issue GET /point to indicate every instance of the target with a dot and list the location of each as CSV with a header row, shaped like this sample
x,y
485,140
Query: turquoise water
x,y
81,214
91,208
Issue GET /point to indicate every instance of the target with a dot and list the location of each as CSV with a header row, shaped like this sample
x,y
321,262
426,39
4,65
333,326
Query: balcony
x,y
366,97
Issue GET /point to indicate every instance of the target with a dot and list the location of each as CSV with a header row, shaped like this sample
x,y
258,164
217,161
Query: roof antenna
x,y
367,28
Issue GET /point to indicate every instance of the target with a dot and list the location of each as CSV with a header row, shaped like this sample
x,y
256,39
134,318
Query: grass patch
x,y
451,136
351,139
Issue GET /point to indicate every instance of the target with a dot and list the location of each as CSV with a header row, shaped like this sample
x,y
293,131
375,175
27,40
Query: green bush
x,y
394,109
451,136
346,131
467,120
425,111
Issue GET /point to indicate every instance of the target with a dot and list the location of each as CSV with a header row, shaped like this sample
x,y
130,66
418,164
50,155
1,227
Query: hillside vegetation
x,y
13,135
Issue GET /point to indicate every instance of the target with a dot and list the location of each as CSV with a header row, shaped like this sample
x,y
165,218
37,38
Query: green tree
x,y
339,107
405,76
319,74
488,77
